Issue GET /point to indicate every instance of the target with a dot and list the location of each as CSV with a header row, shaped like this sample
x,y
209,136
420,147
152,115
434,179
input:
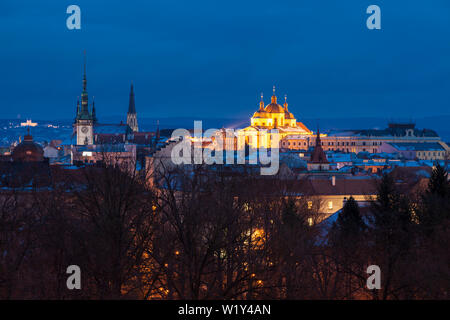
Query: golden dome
x,y
288,115
274,107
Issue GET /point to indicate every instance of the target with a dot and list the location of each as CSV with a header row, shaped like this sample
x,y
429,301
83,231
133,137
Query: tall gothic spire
x,y
131,115
84,73
94,116
84,95
131,104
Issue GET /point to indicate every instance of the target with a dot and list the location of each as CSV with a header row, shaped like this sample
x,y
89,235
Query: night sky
x,y
213,58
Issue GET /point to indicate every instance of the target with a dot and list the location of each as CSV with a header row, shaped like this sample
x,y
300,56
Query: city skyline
x,y
338,68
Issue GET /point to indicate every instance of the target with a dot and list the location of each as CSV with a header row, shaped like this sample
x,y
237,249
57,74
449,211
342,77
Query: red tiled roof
x,y
346,186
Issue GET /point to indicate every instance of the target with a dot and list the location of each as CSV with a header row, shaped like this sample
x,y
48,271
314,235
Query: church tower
x,y
84,120
318,160
131,115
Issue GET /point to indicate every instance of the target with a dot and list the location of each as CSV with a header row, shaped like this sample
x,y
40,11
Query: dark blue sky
x,y
213,58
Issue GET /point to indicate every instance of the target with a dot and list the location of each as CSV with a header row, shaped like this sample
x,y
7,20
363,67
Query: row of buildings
x,y
331,166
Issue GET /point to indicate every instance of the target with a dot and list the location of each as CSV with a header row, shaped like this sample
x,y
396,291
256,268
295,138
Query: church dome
x,y
257,114
274,108
28,151
287,114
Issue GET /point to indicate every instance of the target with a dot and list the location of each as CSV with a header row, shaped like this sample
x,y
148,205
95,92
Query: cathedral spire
x,y
131,115
94,116
131,104
84,73
84,112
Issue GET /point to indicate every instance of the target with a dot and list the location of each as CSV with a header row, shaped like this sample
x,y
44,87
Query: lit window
x,y
309,204
310,221
330,205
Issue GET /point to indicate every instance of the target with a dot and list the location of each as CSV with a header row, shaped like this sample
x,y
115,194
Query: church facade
x,y
272,116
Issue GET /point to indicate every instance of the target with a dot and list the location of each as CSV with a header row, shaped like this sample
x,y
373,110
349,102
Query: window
x,y
310,205
330,205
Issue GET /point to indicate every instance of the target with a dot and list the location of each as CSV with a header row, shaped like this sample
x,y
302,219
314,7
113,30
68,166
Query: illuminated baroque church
x,y
273,116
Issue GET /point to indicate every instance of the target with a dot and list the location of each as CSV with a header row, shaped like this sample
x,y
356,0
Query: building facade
x,y
272,116
376,141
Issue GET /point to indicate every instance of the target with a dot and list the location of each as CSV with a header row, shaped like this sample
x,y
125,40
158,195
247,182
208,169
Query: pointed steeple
x,y
84,112
78,108
274,97
285,103
261,103
131,104
93,114
131,115
84,73
318,155
157,130
318,141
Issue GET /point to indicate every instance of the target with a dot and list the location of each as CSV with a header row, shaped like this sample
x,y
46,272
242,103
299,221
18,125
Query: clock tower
x,y
85,119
